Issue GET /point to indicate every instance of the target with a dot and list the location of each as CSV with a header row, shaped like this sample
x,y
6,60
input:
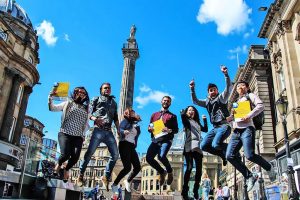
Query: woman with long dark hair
x,y
129,133
192,127
74,124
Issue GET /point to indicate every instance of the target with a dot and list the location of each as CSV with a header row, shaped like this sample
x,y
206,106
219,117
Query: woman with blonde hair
x,y
129,133
206,185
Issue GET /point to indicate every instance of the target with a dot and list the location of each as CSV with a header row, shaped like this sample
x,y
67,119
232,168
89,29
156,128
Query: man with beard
x,y
161,145
216,105
104,112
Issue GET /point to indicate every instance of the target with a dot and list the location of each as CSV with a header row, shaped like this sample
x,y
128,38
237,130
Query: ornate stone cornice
x,y
283,26
277,61
274,8
131,53
270,47
20,60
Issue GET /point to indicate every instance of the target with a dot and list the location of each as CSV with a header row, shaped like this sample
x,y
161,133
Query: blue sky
x,y
81,41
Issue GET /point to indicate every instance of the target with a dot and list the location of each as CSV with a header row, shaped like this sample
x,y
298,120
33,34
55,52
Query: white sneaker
x,y
114,188
127,185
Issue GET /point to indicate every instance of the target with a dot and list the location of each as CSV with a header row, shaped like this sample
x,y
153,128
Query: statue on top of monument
x,y
132,32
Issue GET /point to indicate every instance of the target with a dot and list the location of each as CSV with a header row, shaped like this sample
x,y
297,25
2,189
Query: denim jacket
x,y
126,125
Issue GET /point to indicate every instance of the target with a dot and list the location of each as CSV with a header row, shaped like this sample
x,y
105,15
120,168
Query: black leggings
x,y
128,156
189,157
70,148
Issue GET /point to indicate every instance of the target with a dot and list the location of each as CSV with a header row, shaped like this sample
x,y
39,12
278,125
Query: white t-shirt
x,y
131,136
226,191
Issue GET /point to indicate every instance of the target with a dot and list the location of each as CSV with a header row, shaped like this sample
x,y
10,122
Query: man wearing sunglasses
x,y
104,113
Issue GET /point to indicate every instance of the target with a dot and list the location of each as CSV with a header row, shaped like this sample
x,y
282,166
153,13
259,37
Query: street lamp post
x,y
246,197
262,194
282,106
235,186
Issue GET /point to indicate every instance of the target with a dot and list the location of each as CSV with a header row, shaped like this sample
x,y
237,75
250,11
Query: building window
x,y
3,35
157,184
146,172
100,153
100,163
12,129
278,68
20,94
146,185
151,184
27,122
143,186
151,172
23,140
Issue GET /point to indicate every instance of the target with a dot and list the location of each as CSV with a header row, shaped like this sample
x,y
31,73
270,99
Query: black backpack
x,y
258,120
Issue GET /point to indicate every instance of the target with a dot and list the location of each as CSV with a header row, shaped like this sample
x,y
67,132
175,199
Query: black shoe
x,y
195,191
224,162
184,193
170,178
162,178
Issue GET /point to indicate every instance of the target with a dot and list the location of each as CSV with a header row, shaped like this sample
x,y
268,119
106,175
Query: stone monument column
x,y
131,54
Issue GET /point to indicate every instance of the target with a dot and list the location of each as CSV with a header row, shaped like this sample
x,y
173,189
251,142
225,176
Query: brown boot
x,y
162,178
105,182
66,176
170,178
81,180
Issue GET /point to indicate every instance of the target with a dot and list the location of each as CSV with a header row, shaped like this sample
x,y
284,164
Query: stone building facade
x,y
32,129
281,28
18,75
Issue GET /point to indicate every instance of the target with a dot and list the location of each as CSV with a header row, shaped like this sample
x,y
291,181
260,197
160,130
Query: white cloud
x,y
229,15
147,95
247,34
243,49
66,37
232,57
47,31
144,88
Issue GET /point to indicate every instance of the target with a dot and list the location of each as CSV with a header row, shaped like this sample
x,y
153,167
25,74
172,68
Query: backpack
x,y
258,120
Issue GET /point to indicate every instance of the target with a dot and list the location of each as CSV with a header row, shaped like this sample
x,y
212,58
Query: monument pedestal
x,y
58,190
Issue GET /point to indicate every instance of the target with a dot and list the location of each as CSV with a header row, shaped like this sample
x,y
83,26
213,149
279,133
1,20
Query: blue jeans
x,y
213,141
244,138
161,149
205,193
109,140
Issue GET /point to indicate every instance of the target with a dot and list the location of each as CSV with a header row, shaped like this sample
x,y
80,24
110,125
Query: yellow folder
x,y
242,110
158,126
62,89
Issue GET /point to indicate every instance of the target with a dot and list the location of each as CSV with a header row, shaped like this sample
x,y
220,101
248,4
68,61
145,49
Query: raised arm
x,y
199,102
228,88
204,128
55,107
